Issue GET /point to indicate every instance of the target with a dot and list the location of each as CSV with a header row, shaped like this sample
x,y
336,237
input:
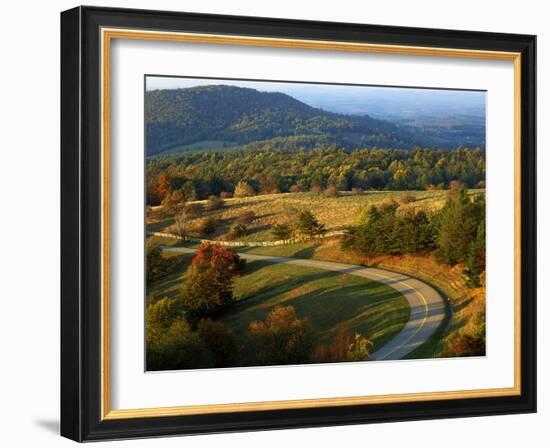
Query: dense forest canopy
x,y
179,117
267,169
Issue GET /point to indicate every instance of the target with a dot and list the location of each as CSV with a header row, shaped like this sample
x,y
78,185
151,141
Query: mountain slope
x,y
226,113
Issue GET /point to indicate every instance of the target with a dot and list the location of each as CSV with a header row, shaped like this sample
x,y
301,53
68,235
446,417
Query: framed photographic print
x,y
275,224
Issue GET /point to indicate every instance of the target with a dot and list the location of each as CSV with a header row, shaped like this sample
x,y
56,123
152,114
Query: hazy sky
x,y
353,99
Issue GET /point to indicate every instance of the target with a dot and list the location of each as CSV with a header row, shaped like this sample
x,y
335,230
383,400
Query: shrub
x,y
331,191
282,232
281,339
243,189
226,195
356,190
407,198
237,230
173,200
220,341
214,203
345,347
389,203
246,217
471,343
295,188
359,349
455,186
337,351
206,226
193,209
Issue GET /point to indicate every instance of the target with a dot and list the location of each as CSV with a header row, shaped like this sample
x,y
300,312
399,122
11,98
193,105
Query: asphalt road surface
x,y
426,304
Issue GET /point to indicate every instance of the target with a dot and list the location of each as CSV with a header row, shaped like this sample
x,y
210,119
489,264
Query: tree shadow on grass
x,y
163,286
463,304
159,226
307,252
324,305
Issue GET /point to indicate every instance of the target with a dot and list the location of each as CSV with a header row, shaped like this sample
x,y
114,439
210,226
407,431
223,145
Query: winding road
x,y
426,304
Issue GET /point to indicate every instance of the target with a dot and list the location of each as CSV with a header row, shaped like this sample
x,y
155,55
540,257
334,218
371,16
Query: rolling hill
x,y
180,117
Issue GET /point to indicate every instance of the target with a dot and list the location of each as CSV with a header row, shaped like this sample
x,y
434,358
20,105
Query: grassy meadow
x,y
335,212
260,289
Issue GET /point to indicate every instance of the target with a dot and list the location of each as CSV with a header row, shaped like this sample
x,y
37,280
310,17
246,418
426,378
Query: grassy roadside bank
x,y
332,302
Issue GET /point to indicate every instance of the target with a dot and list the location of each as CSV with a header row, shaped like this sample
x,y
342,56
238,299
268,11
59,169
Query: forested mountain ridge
x,y
179,117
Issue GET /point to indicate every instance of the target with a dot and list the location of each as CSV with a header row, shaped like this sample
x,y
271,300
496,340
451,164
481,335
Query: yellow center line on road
x,y
400,282
418,329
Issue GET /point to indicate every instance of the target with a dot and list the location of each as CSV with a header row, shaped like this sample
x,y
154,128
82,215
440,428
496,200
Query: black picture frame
x,y
81,227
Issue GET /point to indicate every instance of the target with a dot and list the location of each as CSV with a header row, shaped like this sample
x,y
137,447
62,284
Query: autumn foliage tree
x,y
163,186
243,189
208,287
220,340
282,338
286,169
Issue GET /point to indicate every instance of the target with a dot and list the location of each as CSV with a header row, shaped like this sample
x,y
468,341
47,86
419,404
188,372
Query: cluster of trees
x,y
248,172
179,331
384,231
182,333
455,234
282,338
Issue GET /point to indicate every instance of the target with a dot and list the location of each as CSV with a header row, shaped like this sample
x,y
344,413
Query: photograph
x,y
272,223
291,223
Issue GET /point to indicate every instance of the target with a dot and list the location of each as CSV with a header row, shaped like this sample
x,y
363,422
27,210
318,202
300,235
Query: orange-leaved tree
x,y
282,338
208,287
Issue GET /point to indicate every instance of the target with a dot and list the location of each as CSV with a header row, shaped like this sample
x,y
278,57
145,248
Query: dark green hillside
x,y
179,117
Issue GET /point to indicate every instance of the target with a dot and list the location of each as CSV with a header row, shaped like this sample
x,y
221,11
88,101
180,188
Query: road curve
x,y
426,304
